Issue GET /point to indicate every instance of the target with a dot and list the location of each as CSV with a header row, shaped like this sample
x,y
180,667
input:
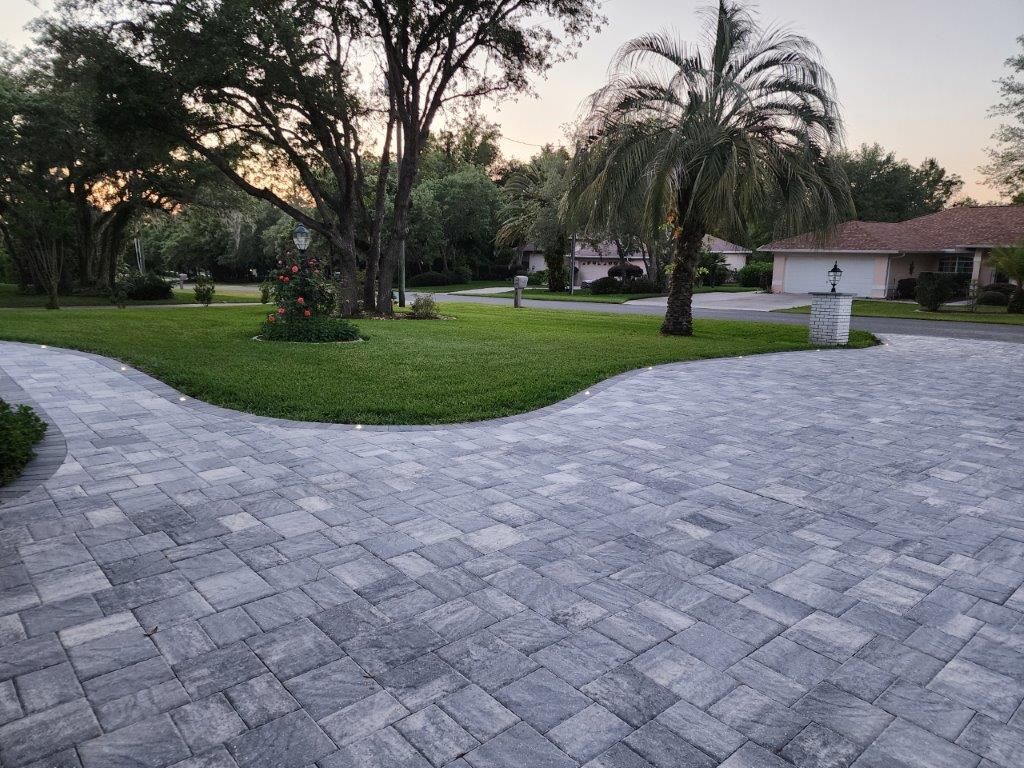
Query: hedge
x,y
20,430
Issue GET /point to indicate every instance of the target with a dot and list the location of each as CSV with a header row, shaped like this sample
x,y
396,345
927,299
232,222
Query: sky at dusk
x,y
914,75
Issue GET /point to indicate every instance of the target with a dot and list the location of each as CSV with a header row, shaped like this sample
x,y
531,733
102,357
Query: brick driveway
x,y
809,558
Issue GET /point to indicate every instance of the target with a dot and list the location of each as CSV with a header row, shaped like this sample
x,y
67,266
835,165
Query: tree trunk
x,y
679,314
400,227
343,260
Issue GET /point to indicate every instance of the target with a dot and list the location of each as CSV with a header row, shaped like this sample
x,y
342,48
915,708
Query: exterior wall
x,y
735,260
778,273
536,262
589,270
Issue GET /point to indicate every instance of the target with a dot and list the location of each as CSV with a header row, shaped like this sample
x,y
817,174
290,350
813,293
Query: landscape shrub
x,y
147,287
1007,289
605,285
305,300
993,299
318,329
424,308
540,277
906,288
204,290
632,271
1016,305
936,288
641,285
756,274
424,279
265,288
20,430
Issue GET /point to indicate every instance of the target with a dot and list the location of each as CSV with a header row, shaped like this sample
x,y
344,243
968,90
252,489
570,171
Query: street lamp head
x,y
301,237
834,276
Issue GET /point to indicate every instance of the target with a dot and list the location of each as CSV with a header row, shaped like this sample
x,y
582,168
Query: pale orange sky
x,y
914,75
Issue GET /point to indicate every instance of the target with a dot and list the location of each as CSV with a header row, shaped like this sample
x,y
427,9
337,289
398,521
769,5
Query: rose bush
x,y
305,300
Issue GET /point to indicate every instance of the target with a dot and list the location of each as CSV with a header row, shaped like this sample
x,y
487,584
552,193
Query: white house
x,y
874,255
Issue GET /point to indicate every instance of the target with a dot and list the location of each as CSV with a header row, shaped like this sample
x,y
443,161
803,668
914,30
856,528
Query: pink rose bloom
x,y
306,313
295,268
280,310
300,300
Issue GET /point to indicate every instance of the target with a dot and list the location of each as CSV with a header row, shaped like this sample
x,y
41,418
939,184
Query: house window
x,y
960,264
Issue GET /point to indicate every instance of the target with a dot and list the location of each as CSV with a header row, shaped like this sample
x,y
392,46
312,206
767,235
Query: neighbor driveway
x,y
809,559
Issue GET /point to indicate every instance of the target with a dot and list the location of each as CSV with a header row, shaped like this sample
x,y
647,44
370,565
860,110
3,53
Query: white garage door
x,y
809,274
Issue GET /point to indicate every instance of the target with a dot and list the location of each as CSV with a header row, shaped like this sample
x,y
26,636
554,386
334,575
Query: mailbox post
x,y
519,282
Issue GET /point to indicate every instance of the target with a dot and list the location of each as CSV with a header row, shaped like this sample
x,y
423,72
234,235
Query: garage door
x,y
808,274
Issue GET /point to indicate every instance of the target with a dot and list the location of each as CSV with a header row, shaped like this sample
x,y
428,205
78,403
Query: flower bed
x,y
305,300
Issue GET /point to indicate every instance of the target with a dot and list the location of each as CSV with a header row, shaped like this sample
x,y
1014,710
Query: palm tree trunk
x,y
679,314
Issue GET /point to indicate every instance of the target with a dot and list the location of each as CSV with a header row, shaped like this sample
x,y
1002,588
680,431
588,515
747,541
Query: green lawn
x,y
487,361
10,298
875,308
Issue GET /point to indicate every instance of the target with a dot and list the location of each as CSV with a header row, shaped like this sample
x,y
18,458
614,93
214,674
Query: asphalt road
x,y
941,328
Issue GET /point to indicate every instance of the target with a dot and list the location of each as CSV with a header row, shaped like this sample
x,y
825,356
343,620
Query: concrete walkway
x,y
808,559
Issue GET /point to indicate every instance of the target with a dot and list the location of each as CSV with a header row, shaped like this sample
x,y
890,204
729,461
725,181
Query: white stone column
x,y
830,318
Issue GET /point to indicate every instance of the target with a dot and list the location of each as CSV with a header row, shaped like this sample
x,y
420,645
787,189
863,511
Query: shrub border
x,y
51,451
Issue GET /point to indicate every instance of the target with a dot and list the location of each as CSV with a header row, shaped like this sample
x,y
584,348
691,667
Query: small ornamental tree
x,y
305,299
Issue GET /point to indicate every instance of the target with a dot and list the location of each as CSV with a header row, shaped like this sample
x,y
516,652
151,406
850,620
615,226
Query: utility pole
x,y
572,265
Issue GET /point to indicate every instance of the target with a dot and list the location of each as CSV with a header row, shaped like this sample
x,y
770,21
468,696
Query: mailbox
x,y
520,282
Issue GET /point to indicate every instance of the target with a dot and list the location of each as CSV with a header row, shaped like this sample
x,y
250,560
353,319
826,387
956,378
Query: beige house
x,y
593,260
874,255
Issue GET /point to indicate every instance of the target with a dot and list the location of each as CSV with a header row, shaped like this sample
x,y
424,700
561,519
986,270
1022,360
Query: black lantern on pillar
x,y
301,237
834,276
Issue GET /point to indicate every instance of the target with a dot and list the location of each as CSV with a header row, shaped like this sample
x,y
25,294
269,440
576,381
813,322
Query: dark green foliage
x,y
147,287
641,285
936,288
1007,289
887,189
204,290
456,276
540,277
606,285
993,299
20,429
1016,305
320,329
906,288
632,270
756,274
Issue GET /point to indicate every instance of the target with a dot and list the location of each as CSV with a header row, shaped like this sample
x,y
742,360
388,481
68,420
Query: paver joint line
x,y
795,559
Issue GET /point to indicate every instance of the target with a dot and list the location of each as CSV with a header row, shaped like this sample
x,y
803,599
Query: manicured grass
x,y
487,361
10,298
900,309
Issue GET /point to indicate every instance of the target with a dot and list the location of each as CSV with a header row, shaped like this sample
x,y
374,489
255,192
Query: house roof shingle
x,y
951,229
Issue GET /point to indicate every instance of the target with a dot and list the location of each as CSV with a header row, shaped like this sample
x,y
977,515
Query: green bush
x,y
641,285
424,308
632,271
540,277
204,290
1007,289
20,429
1016,305
936,288
756,274
265,288
605,285
147,287
424,279
993,299
906,288
320,328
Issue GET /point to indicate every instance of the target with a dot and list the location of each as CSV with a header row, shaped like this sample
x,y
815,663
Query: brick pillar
x,y
830,318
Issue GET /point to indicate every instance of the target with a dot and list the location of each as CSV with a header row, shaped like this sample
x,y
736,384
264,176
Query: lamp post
x,y
834,276
301,237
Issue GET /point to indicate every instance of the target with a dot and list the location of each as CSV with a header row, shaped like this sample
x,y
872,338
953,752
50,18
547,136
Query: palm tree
x,y
1010,262
708,136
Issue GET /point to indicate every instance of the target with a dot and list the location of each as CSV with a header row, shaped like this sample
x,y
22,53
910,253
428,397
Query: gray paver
x,y
837,580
